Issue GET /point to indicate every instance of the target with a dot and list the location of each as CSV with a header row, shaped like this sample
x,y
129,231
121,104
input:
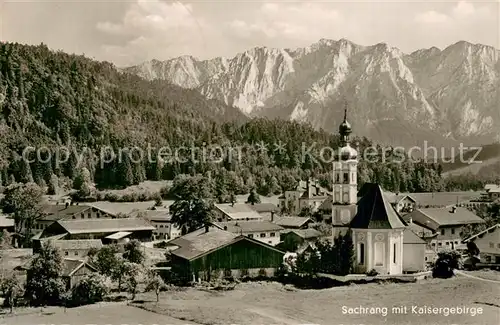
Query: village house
x,y
493,192
402,203
6,223
293,222
447,223
488,243
310,194
266,210
56,212
108,230
298,240
236,212
74,270
162,221
263,231
77,248
210,253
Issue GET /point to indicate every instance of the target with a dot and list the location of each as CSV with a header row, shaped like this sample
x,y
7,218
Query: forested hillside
x,y
55,100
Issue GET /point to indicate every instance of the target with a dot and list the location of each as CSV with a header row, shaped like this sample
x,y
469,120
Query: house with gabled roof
x,y
72,248
56,212
299,240
235,212
132,228
211,252
264,231
293,222
446,223
488,243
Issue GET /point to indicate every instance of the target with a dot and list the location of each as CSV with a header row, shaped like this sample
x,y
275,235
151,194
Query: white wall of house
x,y
165,230
270,237
489,246
414,257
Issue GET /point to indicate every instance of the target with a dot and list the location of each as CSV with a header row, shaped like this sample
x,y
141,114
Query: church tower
x,y
345,180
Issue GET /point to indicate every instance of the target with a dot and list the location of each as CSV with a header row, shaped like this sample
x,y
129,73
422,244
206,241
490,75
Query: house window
x,y
433,244
269,242
379,253
66,253
452,231
426,258
76,253
498,245
73,217
361,253
395,254
492,245
273,234
262,235
337,180
440,244
89,215
250,235
456,242
488,259
442,231
447,243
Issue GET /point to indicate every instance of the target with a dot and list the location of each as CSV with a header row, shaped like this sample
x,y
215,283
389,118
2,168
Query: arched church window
x,y
361,253
337,179
346,178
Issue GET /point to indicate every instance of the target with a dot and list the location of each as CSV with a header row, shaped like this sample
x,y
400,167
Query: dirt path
x,y
280,319
475,277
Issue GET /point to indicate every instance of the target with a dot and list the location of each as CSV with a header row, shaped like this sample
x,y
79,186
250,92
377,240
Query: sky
x,y
132,31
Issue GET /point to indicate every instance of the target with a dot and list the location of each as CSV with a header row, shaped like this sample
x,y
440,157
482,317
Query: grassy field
x,y
272,303
98,314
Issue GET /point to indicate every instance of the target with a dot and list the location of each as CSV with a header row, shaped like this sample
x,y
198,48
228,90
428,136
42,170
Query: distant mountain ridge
x,y
440,96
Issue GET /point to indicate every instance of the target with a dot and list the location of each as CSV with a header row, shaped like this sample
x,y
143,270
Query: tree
x,y
44,285
155,283
135,273
24,201
306,212
190,215
53,186
346,254
133,252
83,183
253,198
91,289
119,271
105,260
12,290
6,240
446,262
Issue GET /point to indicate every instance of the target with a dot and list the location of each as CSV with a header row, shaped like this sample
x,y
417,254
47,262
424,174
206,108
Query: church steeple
x,y
345,129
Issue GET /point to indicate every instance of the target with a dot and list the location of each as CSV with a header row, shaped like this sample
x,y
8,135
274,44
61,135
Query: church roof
x,y
375,211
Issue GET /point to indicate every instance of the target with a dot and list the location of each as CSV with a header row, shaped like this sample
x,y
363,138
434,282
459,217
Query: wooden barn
x,y
214,253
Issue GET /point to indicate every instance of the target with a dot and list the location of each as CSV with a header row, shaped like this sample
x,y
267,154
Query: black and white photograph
x,y
249,162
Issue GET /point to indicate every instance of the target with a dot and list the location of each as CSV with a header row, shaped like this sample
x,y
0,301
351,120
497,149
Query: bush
x,y
372,272
243,272
91,289
446,262
262,272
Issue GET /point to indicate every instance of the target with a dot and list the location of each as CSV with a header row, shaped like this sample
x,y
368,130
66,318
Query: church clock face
x,y
345,216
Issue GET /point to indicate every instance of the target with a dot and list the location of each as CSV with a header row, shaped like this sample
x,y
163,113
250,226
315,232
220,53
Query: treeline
x,y
53,100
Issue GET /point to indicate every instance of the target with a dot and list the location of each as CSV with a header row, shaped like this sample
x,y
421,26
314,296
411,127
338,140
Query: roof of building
x,y
442,199
156,215
446,216
119,235
70,266
248,226
491,186
375,212
291,221
482,233
409,237
494,190
238,211
263,207
6,221
77,244
200,242
54,212
105,225
308,233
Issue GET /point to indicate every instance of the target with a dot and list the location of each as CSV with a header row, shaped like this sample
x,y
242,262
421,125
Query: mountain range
x,y
440,96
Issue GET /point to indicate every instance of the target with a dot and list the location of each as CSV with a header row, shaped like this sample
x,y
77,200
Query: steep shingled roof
x,y
375,212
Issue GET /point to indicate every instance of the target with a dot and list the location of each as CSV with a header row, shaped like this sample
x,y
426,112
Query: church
x,y
377,229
